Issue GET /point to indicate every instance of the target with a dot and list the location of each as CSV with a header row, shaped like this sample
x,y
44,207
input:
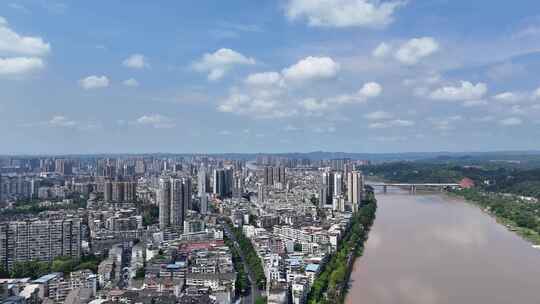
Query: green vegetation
x,y
150,214
252,259
32,207
140,273
488,176
519,215
260,300
331,284
242,280
36,269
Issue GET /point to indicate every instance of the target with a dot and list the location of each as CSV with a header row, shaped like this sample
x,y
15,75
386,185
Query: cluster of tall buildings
x,y
223,182
174,199
274,176
120,191
39,240
333,187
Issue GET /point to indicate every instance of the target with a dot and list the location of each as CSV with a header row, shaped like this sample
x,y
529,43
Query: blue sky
x,y
269,76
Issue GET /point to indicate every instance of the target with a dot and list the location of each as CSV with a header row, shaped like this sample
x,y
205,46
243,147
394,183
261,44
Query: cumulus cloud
x,y
62,121
508,97
14,44
312,68
465,91
275,95
156,121
511,121
368,90
136,61
256,105
20,65
217,64
381,50
412,51
343,13
94,82
378,115
391,123
131,82
22,54
264,79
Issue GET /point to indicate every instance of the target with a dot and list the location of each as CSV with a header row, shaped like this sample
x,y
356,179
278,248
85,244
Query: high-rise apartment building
x,y
223,182
355,186
164,202
39,240
174,199
203,182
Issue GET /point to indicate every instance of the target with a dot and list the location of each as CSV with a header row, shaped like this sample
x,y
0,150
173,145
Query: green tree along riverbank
x,y
518,215
331,284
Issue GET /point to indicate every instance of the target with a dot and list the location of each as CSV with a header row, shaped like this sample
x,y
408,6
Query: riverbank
x,y
487,201
331,285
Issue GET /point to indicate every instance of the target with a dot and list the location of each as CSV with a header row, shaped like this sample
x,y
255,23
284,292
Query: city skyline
x,y
277,76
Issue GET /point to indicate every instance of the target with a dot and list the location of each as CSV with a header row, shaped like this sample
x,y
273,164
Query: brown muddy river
x,y
431,249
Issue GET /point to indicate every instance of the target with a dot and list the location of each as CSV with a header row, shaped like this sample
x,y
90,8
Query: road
x,y
255,292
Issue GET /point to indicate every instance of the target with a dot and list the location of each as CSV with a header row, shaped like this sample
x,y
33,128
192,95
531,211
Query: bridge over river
x,y
414,186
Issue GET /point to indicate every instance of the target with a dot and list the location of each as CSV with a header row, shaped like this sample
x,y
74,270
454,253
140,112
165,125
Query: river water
x,y
432,249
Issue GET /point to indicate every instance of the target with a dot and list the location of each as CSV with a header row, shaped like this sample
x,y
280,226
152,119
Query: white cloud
x,y
368,90
381,50
256,105
218,63
313,105
412,51
445,124
61,121
11,43
508,97
264,79
536,94
131,82
156,121
511,121
343,13
20,65
466,91
312,68
378,115
391,123
136,61
94,82
474,103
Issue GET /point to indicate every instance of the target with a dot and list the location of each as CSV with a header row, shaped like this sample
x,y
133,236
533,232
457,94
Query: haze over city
x,y
268,76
